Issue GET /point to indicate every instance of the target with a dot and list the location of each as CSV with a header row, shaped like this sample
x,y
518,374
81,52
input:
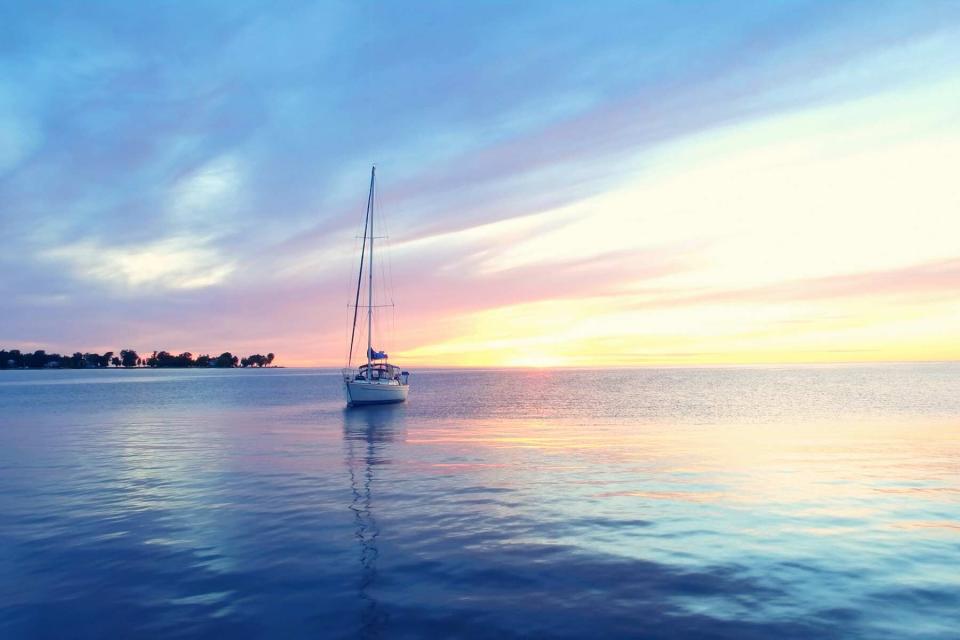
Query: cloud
x,y
20,132
173,263
932,280
18,137
205,200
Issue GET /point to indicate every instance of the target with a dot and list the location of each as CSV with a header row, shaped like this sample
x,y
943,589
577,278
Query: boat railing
x,y
379,372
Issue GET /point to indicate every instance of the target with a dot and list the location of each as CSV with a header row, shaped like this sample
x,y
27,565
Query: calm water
x,y
676,503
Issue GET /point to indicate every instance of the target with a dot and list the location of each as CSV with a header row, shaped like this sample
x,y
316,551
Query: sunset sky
x,y
575,184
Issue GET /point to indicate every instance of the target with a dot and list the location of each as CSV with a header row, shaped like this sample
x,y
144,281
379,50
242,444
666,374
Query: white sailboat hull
x,y
359,392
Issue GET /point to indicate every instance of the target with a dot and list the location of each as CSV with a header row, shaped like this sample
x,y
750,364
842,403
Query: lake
x,y
752,502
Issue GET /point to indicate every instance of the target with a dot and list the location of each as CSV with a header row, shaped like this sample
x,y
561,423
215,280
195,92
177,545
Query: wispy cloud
x,y
173,263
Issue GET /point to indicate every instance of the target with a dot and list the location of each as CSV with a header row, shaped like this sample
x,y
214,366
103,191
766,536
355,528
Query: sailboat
x,y
377,381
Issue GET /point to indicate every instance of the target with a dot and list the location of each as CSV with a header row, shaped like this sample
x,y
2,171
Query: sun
x,y
537,362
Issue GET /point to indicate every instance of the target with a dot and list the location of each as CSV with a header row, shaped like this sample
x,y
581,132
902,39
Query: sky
x,y
562,184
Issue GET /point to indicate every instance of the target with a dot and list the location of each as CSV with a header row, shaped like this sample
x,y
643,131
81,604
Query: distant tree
x,y
76,360
244,362
129,357
115,361
37,359
152,360
203,360
256,360
269,359
226,359
165,359
4,359
106,358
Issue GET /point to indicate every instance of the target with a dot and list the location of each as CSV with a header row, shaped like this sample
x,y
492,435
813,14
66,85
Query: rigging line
x,y
386,268
356,302
385,286
390,283
347,305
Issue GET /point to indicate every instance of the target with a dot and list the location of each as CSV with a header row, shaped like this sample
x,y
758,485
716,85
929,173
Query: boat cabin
x,y
378,371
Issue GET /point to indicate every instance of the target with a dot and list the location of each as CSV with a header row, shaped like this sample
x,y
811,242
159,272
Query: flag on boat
x,y
375,355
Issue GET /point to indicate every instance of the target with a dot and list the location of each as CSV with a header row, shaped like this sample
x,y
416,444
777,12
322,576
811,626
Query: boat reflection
x,y
367,433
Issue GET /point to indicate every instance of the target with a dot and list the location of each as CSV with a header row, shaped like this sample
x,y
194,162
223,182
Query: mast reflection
x,y
367,432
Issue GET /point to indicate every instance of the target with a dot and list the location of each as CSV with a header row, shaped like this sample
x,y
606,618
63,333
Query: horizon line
x,y
659,365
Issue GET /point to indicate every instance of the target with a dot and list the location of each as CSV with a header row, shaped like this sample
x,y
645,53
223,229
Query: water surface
x,y
817,502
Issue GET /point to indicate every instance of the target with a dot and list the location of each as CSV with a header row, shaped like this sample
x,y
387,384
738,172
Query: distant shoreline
x,y
130,359
142,368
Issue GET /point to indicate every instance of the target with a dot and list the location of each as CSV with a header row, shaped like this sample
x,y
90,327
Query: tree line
x,y
127,358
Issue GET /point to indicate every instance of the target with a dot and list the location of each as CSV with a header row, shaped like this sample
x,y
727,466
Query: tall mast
x,y
373,173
